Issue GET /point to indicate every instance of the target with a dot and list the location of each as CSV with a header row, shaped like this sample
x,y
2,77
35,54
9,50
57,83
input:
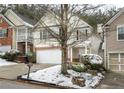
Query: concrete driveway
x,y
112,81
12,71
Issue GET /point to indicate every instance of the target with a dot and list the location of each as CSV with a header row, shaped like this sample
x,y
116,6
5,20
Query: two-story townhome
x,y
6,34
22,36
48,49
114,42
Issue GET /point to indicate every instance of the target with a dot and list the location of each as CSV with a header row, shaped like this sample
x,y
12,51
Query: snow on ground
x,y
6,63
52,75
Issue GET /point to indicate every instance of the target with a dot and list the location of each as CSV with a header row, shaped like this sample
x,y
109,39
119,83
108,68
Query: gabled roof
x,y
7,20
26,19
50,20
115,16
23,19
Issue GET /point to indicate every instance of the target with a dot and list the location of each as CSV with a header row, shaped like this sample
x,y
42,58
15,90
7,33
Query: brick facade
x,y
7,40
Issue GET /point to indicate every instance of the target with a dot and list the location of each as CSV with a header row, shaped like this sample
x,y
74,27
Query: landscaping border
x,y
43,83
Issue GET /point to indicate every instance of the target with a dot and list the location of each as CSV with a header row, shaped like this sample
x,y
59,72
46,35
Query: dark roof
x,y
26,19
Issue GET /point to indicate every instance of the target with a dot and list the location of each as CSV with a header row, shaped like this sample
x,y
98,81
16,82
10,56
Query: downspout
x,y
26,41
105,45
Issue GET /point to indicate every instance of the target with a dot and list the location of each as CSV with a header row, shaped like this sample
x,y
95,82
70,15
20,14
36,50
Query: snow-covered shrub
x,y
92,62
13,51
79,67
2,54
11,55
92,58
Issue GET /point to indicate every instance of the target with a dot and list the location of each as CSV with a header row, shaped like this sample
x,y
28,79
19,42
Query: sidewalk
x,y
112,81
12,71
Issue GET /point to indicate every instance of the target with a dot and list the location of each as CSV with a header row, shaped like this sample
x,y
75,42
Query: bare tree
x,y
64,14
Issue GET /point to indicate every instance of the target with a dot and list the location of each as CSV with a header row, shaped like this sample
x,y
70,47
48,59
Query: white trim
x,y
71,58
119,57
117,32
115,17
6,20
115,64
105,50
18,18
116,52
26,42
108,61
16,38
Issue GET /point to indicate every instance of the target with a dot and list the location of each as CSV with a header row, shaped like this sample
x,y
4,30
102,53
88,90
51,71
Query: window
x,y
3,32
43,35
120,33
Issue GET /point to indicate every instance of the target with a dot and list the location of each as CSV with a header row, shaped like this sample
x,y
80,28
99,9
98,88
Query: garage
x,y
52,56
116,61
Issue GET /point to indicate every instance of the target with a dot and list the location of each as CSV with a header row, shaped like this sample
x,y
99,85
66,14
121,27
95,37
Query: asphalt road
x,y
10,84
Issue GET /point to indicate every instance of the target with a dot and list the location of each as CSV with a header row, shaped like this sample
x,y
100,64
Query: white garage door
x,y
52,56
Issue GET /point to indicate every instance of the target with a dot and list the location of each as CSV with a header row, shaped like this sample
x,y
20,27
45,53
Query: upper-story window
x,y
3,33
43,35
120,32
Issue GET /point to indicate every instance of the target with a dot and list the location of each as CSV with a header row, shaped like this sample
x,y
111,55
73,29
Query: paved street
x,y
8,84
11,72
8,75
112,81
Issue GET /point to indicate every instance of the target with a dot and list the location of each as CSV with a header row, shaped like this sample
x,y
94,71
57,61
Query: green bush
x,y
79,67
32,57
97,67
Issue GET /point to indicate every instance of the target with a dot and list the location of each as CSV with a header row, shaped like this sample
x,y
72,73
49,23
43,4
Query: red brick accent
x,y
8,39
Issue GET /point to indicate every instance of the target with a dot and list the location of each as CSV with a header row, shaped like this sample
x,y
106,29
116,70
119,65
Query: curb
x,y
42,83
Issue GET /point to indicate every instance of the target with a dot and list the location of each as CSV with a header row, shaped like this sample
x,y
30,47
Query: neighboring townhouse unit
x,y
114,42
48,49
6,34
22,36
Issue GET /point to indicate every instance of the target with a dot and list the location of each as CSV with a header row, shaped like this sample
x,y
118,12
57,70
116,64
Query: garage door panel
x,y
114,67
49,56
122,67
113,55
113,61
122,60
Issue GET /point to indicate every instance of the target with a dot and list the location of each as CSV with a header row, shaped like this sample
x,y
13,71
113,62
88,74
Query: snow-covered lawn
x,y
6,63
52,75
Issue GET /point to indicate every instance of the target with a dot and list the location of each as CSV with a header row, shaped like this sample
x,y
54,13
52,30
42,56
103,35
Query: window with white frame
x,y
3,33
43,35
120,33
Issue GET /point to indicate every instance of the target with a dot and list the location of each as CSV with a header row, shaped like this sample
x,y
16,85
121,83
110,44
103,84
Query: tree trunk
x,y
64,64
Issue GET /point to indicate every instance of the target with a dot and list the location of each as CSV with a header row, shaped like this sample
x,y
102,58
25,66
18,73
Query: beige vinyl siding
x,y
112,43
